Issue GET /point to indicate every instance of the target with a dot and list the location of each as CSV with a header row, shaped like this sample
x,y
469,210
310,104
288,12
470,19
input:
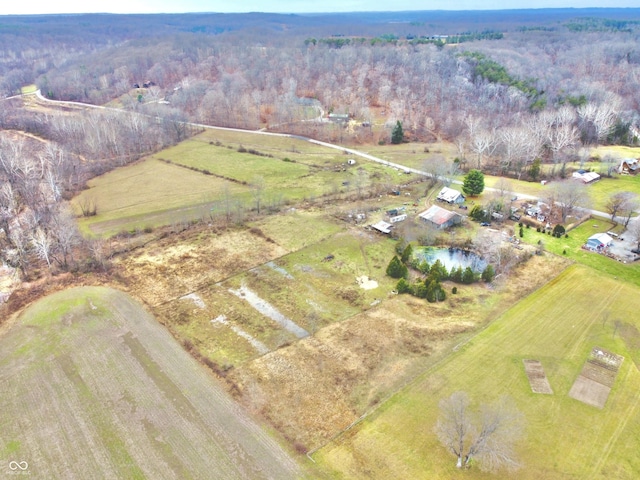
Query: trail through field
x,y
94,387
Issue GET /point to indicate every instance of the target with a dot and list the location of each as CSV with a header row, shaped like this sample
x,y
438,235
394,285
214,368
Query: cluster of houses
x,y
435,216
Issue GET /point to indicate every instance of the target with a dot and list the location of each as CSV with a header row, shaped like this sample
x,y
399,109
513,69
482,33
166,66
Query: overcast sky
x,y
9,7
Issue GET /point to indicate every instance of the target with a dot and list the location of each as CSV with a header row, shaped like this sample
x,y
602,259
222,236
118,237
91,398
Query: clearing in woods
x,y
94,387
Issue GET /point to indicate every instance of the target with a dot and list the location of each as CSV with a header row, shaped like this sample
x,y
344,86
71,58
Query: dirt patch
x,y
537,378
366,283
598,375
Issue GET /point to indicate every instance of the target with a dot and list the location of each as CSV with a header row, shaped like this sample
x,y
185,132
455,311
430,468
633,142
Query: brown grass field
x,y
94,387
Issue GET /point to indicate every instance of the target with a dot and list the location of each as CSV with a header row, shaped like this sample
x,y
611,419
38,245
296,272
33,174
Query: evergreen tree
x,y
396,269
397,134
403,286
488,274
420,290
407,253
477,213
438,271
473,184
468,277
456,274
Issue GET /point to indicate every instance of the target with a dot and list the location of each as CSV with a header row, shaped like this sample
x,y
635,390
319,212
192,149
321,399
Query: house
x,y
382,226
586,177
598,242
440,218
628,166
450,196
339,117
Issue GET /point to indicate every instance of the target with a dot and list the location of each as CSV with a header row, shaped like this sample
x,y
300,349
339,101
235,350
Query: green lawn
x,y
572,248
557,325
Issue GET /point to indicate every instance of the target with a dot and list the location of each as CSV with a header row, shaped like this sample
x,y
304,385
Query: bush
x,y
559,230
454,290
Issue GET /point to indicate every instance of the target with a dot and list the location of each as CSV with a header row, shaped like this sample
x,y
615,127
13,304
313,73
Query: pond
x,y
451,258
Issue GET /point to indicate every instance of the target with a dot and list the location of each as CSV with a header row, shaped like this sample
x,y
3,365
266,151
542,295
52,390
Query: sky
x,y
286,6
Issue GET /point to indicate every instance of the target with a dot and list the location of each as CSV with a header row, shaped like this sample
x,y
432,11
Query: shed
x,y
599,242
450,195
586,177
440,217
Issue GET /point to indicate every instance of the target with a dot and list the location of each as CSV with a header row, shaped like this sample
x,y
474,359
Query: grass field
x,y
153,192
149,193
94,387
557,325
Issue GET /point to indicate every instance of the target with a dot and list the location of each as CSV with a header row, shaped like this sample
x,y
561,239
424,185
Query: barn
x,y
440,218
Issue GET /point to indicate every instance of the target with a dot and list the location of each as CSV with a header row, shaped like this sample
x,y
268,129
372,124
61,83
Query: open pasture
x,y
149,193
94,387
559,324
198,178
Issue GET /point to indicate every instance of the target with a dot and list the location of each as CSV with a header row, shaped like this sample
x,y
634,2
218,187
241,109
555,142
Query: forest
x,y
513,90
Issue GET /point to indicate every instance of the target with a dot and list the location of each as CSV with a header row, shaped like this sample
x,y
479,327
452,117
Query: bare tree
x,y
488,437
41,241
257,191
634,231
570,195
616,203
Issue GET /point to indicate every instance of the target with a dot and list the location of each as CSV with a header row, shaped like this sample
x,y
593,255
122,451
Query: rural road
x,y
350,151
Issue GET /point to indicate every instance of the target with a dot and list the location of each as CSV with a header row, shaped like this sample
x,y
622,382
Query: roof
x,y
586,177
603,238
448,194
382,226
438,215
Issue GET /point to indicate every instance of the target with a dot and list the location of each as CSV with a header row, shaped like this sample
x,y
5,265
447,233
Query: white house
x,y
450,195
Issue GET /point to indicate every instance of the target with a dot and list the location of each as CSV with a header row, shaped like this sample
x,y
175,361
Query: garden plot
x,y
537,378
596,378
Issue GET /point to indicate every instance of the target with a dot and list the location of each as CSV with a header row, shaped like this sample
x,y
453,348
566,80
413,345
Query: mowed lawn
x,y
571,248
94,387
558,325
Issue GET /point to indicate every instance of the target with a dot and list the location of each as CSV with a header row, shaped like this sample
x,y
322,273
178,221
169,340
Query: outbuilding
x,y
440,218
599,242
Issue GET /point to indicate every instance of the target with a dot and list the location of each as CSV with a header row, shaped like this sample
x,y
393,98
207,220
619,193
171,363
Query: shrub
x,y
564,252
559,230
454,290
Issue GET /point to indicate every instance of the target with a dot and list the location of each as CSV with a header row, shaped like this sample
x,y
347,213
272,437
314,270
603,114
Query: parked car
x,y
485,224
462,207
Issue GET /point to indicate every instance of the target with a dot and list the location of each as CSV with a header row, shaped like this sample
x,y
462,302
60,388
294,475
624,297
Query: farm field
x,y
148,193
557,325
94,387
198,178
